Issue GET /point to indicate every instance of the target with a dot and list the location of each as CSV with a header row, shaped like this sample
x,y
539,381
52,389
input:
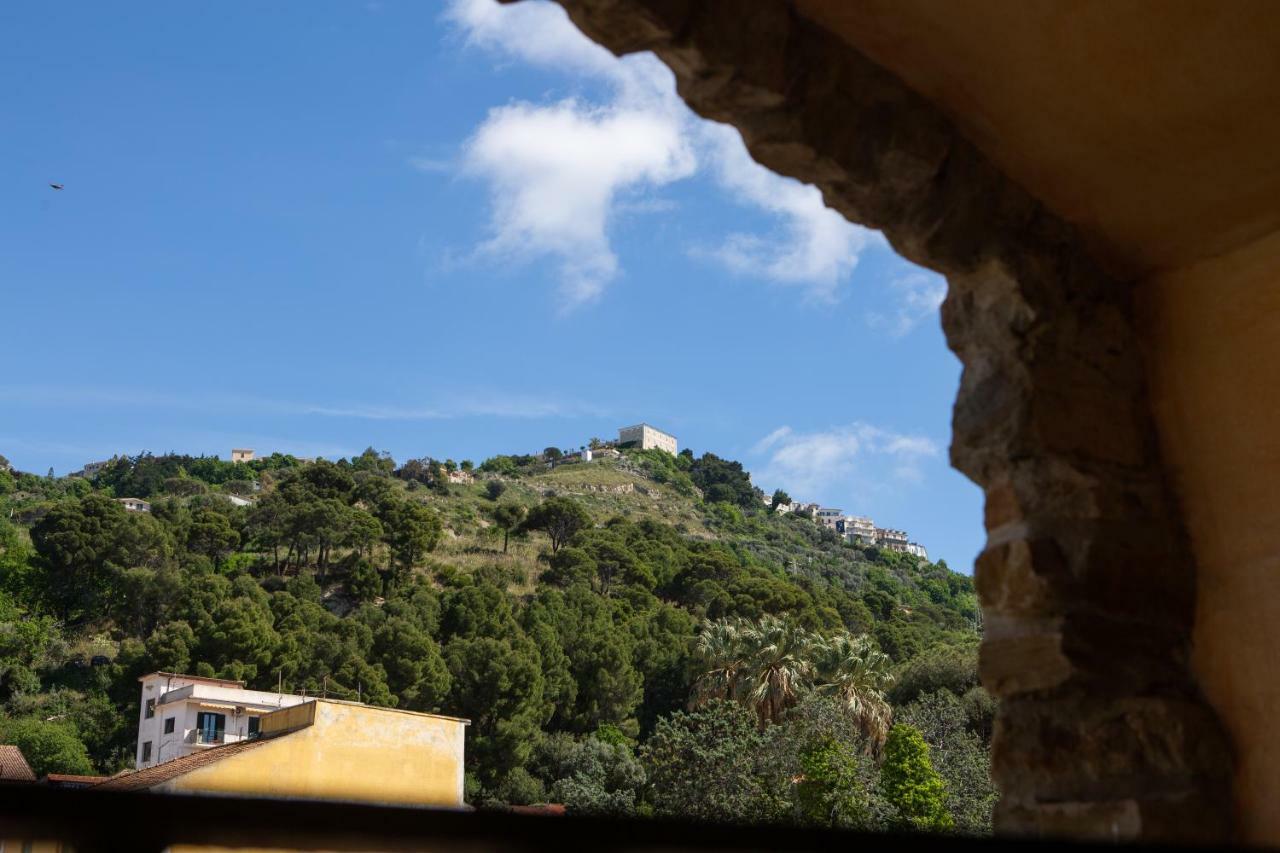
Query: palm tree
x,y
777,655
854,670
721,651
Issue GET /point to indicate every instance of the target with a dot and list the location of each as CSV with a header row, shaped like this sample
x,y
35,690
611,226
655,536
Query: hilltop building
x,y
859,528
323,749
829,517
890,539
241,454
646,437
182,715
91,469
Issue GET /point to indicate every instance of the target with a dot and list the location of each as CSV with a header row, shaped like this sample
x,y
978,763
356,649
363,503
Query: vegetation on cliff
x,y
633,635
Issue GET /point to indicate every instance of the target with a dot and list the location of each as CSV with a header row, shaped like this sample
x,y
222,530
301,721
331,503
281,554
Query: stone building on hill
x,y
645,437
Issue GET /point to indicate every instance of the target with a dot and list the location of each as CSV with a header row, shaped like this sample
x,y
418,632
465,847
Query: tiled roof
x,y
547,809
68,780
13,766
149,777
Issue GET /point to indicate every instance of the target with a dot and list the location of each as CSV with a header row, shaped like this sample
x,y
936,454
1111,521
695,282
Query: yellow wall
x,y
350,752
1213,333
1150,124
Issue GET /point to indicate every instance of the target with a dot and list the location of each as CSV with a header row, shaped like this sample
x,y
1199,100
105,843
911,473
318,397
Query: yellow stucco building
x,y
326,749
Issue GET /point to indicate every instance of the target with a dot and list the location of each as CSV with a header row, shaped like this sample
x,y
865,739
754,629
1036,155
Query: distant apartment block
x,y
185,714
242,454
917,550
829,517
134,504
892,540
646,437
860,529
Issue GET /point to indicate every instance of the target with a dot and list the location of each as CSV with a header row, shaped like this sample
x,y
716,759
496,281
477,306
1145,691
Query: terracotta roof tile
x,y
13,765
69,780
149,777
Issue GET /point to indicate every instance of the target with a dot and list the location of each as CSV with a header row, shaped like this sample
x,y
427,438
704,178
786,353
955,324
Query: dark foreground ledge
x,y
100,821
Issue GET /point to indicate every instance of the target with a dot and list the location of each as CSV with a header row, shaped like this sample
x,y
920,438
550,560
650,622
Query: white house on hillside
x,y
182,714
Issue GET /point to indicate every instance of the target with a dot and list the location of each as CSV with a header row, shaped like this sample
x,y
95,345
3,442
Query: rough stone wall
x,y
1086,582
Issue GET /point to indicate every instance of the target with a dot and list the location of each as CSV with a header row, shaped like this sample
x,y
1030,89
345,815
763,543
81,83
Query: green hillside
x,y
611,628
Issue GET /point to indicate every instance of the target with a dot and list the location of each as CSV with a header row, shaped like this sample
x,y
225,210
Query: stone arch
x,y
1087,580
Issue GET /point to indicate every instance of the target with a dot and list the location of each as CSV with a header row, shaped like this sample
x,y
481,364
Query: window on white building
x,y
168,726
146,752
151,708
211,727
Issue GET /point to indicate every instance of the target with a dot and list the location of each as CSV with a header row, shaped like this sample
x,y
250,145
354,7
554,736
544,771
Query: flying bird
x,y
56,186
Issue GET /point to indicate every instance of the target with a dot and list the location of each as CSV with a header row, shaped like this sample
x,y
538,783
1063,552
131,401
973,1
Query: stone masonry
x,y
1086,581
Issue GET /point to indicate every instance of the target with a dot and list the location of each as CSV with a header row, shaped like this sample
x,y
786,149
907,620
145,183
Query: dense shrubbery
x,y
578,681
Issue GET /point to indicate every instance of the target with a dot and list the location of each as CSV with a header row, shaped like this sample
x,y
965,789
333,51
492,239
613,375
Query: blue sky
x,y
438,229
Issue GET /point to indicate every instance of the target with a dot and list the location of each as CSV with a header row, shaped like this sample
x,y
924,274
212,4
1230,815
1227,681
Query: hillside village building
x,y
134,504
185,714
241,454
893,540
858,528
646,437
323,749
830,517
91,469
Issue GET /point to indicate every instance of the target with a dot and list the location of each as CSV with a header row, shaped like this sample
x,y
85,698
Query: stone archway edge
x,y
1087,581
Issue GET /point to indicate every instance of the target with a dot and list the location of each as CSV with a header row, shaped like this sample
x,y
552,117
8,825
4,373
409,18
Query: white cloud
x,y
813,247
918,297
819,465
818,248
555,173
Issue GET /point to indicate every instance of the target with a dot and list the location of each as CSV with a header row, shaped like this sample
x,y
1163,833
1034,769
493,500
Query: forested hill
x,y
635,634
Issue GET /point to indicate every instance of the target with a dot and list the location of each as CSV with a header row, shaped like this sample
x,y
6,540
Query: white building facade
x,y
646,437
830,517
915,549
860,529
182,714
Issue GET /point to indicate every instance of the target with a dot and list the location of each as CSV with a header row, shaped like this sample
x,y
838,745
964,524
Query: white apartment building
x,y
915,549
830,517
859,528
646,437
183,714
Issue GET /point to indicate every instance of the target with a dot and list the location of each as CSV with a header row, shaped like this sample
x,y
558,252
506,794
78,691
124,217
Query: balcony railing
x,y
204,738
